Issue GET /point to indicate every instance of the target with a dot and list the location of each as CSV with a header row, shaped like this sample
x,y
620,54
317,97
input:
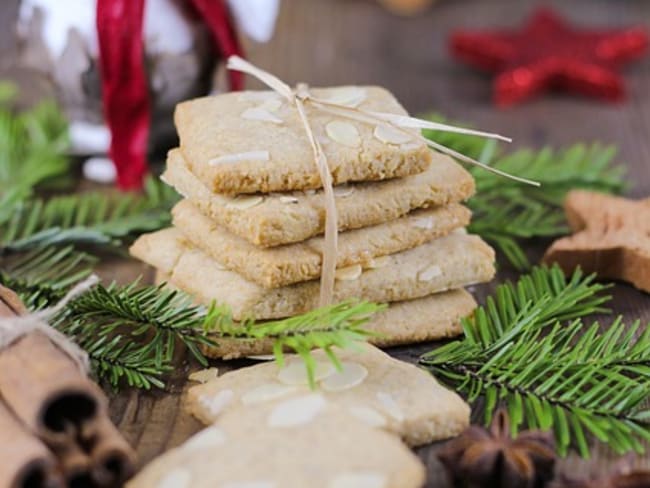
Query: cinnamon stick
x,y
46,389
113,461
54,399
26,462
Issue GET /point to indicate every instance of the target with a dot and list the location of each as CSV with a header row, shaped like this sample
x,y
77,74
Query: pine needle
x,y
33,145
530,349
92,218
131,332
335,326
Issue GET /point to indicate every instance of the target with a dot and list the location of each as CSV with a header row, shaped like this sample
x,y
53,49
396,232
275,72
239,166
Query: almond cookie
x,y
306,441
283,218
423,319
371,386
293,263
247,142
447,263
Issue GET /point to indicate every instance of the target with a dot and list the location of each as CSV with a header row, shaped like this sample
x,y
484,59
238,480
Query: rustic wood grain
x,y
329,42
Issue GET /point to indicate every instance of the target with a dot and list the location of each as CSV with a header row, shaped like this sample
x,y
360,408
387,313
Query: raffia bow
x,y
13,328
300,97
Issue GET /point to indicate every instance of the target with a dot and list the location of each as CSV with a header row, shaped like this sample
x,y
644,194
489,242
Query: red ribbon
x,y
125,94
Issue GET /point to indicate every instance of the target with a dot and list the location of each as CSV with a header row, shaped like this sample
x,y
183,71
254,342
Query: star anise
x,y
493,458
623,475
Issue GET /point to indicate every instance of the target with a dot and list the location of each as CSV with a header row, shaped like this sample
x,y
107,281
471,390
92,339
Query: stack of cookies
x,y
248,233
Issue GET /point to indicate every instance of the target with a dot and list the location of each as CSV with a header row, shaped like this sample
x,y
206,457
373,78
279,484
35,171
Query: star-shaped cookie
x,y
611,237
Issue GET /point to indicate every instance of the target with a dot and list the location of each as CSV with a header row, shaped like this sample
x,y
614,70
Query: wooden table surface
x,y
330,42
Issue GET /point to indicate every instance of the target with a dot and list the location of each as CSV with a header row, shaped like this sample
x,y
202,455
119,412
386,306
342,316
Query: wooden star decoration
x,y
611,237
549,53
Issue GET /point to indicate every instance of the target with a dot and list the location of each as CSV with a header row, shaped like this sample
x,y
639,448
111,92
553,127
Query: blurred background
x,y
403,45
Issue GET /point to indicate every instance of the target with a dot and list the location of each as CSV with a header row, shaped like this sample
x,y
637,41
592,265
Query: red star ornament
x,y
549,53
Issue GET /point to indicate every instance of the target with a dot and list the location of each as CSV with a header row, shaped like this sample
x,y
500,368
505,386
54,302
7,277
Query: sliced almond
x,y
351,375
368,415
429,273
390,406
262,357
216,404
349,273
213,436
243,202
342,191
390,135
378,262
359,479
257,113
288,199
245,156
271,105
297,411
423,223
204,375
343,132
348,96
266,393
295,373
176,478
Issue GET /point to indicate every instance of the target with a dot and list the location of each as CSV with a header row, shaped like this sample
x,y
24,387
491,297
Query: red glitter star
x,y
549,53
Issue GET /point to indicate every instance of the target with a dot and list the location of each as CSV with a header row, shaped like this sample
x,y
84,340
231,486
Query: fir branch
x,y
131,333
95,218
33,144
339,325
42,276
507,212
529,348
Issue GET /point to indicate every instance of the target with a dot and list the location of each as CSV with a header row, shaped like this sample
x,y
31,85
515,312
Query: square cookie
x,y
373,387
283,218
450,262
248,142
423,319
302,261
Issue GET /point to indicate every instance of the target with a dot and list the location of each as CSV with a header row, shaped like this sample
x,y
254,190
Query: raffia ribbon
x,y
299,98
13,328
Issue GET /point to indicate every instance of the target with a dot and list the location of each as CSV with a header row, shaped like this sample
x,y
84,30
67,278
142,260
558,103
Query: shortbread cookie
x,y
306,441
293,263
271,220
445,264
255,141
423,319
373,387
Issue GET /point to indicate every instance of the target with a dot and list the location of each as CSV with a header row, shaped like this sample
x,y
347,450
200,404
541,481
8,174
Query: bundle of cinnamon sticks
x,y
54,424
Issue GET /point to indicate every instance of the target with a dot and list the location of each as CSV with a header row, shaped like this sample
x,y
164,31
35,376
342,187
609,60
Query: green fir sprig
x,y
101,219
507,213
33,146
530,349
337,326
131,332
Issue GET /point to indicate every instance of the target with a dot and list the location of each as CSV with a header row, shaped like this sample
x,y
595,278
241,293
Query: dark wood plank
x,y
328,42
